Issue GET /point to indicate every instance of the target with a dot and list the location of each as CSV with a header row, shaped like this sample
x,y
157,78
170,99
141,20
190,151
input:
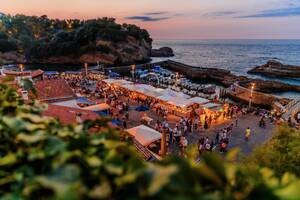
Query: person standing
x,y
124,124
247,134
217,138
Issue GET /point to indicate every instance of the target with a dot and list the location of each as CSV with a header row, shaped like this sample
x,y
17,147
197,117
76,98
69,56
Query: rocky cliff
x,y
274,68
106,52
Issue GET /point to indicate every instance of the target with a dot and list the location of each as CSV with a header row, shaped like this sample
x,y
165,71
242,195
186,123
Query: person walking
x,y
247,134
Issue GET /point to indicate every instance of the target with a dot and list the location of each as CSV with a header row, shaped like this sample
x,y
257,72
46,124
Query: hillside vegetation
x,y
44,40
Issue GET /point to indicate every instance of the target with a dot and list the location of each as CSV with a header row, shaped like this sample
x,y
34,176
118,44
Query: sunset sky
x,y
179,19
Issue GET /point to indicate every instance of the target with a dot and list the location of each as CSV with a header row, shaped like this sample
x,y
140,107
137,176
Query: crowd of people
x,y
120,101
177,133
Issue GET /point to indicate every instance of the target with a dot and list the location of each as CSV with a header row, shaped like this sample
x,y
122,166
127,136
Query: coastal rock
x,y
107,52
267,86
274,68
226,78
162,52
11,57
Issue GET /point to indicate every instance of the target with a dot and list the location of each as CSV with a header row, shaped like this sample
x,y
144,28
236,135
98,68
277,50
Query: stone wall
x,y
243,94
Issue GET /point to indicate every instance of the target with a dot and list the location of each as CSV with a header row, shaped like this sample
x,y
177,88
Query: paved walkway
x,y
258,136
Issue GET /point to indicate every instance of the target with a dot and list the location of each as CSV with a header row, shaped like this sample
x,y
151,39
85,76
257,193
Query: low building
x,y
33,75
53,90
67,115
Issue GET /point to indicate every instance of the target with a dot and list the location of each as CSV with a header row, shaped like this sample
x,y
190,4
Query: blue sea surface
x,y
238,56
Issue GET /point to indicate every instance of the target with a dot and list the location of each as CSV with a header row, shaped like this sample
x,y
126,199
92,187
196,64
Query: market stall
x,y
144,134
199,100
180,106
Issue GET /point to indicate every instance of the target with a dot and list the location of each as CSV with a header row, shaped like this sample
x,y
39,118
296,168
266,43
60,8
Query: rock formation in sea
x,y
274,68
226,78
162,52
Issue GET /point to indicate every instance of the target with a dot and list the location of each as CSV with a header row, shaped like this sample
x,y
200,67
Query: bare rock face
x,y
162,52
12,57
276,69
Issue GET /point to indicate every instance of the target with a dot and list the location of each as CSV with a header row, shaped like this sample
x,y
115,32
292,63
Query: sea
x,y
238,56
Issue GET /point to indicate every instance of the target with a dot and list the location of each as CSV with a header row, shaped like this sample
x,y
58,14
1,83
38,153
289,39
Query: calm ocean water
x,y
239,56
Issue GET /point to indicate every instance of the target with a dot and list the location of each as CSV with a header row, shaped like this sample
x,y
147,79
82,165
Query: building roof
x,y
199,100
37,73
16,73
53,90
33,74
144,134
67,115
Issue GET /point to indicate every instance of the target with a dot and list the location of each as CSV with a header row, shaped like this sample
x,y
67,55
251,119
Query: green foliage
x,y
42,159
41,37
281,153
7,45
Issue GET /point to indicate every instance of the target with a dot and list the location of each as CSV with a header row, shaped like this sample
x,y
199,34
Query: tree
x,y
7,45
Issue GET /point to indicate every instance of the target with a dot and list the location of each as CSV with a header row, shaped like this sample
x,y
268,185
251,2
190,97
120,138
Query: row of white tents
x,y
172,97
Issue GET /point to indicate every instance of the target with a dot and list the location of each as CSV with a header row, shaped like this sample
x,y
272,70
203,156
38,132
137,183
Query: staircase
x,y
292,107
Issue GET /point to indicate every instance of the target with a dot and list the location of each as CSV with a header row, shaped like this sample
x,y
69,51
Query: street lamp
x,y
132,71
21,67
251,94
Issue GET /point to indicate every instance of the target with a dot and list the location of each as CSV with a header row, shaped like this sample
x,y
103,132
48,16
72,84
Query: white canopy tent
x,y
199,100
116,81
165,97
147,90
98,107
180,102
212,105
144,134
176,94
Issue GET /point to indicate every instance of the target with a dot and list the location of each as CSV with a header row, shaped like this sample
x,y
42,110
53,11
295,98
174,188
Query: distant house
x,y
67,115
34,75
54,90
37,75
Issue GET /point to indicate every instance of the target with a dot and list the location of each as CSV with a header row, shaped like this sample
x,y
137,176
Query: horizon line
x,y
181,38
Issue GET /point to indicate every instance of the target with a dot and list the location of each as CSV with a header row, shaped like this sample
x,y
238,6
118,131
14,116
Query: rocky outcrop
x,y
107,52
11,57
162,52
274,68
226,78
267,86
